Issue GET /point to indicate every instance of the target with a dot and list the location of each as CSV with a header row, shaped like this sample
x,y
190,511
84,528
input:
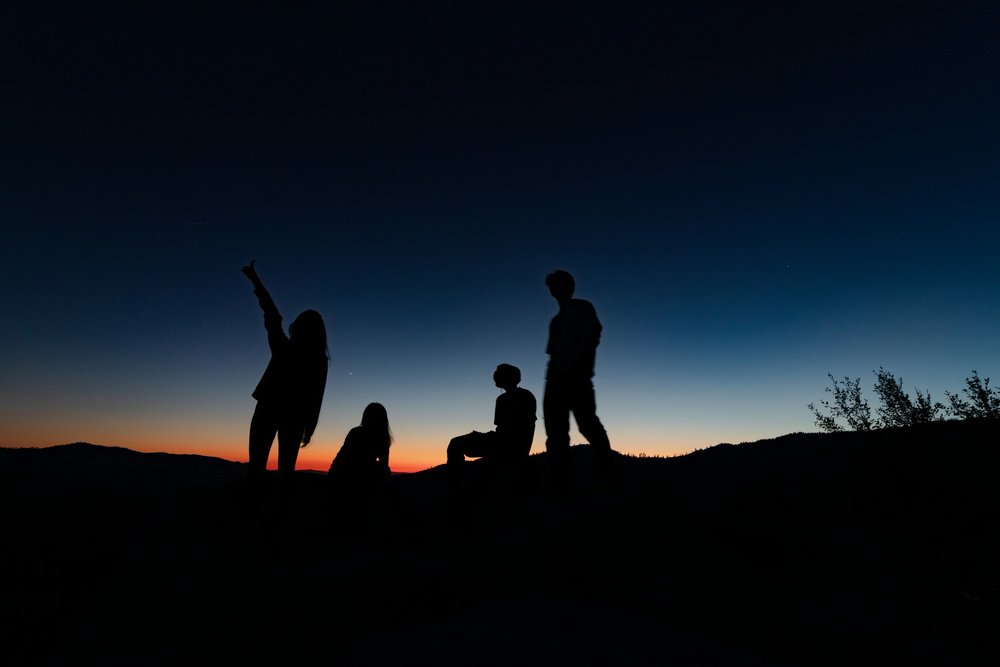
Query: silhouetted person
x,y
360,470
290,392
363,459
574,334
514,416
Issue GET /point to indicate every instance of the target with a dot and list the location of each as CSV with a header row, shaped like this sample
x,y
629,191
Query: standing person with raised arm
x,y
574,334
290,392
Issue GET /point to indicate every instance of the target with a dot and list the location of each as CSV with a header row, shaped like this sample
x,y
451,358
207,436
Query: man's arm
x,y
591,325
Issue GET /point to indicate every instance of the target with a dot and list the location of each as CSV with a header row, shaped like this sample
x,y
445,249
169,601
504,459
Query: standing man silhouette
x,y
574,334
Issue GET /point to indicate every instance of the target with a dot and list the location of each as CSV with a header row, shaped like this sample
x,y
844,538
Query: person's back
x,y
360,473
574,334
356,452
363,459
515,418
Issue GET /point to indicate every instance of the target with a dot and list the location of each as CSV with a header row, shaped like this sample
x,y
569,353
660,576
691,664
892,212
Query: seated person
x,y
362,464
514,418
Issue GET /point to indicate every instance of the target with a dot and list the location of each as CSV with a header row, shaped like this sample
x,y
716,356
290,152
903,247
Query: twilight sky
x,y
752,194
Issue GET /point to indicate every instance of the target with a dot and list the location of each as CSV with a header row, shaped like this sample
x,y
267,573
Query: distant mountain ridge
x,y
118,469
115,469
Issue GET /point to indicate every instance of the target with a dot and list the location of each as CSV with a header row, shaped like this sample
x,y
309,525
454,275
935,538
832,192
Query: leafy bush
x,y
896,408
983,401
848,404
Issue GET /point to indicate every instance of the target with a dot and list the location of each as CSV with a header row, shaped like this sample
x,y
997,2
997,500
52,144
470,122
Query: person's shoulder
x,y
524,394
583,306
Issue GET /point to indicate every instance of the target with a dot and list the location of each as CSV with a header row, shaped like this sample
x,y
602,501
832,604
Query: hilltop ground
x,y
810,549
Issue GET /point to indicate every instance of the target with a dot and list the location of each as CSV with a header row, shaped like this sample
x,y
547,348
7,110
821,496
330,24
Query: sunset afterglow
x,y
748,207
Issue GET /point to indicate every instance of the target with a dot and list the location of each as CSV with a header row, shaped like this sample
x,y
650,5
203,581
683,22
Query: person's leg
x,y
262,431
555,413
591,428
459,501
289,442
471,445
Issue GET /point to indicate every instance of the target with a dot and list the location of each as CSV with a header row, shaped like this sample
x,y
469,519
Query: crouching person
x,y
360,471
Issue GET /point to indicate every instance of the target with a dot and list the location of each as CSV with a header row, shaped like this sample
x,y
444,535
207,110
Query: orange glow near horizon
x,y
405,456
410,456
225,440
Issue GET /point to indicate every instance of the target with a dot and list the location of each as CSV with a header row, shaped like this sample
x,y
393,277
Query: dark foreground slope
x,y
827,549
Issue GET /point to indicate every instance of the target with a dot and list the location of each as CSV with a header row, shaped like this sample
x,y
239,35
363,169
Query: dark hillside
x,y
827,549
114,470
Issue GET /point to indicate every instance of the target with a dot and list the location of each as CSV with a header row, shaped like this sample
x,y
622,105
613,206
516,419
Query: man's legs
x,y
475,444
591,428
555,412
472,445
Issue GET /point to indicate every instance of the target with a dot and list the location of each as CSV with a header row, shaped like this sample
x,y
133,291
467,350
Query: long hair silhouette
x,y
375,421
308,333
290,392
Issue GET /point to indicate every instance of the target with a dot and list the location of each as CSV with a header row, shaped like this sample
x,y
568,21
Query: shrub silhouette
x,y
984,402
848,404
896,408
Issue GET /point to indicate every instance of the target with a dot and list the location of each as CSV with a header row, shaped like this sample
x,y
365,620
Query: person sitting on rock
x,y
510,442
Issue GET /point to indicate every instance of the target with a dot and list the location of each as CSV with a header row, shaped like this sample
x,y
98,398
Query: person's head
x,y
561,285
507,376
308,333
376,420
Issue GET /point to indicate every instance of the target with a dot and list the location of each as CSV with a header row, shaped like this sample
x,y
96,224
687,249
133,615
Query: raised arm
x,y
272,318
266,302
251,273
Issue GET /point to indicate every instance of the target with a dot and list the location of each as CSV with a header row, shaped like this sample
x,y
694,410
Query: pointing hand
x,y
249,271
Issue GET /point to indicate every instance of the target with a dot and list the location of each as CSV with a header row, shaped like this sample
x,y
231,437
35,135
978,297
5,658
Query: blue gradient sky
x,y
752,195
